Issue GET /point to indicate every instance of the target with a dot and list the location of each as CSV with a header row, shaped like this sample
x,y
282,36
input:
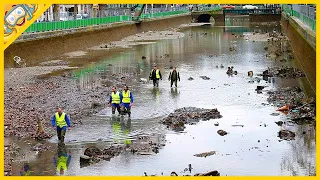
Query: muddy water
x,y
253,149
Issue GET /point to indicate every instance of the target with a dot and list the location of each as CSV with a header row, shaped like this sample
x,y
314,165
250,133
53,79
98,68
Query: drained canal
x,y
251,146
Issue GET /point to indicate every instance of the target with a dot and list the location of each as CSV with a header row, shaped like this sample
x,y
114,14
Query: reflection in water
x,y
63,160
174,92
301,161
121,129
156,95
25,170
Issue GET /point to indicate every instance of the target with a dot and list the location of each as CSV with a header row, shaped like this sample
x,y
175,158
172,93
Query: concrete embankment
x,y
304,48
53,44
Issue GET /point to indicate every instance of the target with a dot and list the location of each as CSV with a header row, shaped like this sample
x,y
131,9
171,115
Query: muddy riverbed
x,y
250,145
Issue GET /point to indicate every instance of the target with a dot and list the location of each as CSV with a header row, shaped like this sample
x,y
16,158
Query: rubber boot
x,y
59,136
63,133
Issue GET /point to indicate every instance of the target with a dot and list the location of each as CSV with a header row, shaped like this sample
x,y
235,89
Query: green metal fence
x,y
70,24
305,19
163,14
60,25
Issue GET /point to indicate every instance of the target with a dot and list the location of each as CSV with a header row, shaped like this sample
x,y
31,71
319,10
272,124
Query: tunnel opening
x,y
204,18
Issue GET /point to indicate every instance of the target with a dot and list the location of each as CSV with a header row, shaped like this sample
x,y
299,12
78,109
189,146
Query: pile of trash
x,y
299,107
93,155
288,72
189,115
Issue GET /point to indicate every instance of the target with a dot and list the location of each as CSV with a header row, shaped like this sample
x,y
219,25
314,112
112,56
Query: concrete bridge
x,y
255,15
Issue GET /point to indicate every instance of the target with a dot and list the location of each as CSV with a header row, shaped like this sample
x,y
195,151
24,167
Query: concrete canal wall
x,y
303,44
48,45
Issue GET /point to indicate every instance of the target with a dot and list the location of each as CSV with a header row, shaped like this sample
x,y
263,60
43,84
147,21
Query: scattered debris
x,y
222,132
279,123
204,77
205,154
286,135
189,115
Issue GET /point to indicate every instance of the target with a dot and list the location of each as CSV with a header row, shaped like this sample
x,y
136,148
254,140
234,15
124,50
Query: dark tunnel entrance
x,y
204,18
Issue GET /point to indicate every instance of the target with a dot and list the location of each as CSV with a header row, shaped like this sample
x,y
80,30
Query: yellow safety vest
x,y
117,131
126,97
60,120
62,163
115,98
157,73
127,141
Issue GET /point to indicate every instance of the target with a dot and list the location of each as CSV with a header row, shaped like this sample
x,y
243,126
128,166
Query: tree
x,y
56,12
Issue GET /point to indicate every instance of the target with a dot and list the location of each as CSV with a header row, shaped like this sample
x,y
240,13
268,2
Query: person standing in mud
x,y
155,75
115,100
127,101
174,77
60,120
63,160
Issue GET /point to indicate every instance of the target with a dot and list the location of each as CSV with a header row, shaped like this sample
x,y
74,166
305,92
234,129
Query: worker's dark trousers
x,y
114,107
61,134
126,109
175,83
156,82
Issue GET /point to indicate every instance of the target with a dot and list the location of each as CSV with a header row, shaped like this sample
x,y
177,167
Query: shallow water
x,y
238,153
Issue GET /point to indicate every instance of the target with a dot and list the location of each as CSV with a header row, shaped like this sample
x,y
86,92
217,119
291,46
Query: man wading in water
x,y
155,75
174,77
115,100
61,121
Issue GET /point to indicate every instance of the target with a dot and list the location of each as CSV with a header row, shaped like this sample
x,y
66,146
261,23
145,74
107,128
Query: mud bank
x,y
37,51
189,115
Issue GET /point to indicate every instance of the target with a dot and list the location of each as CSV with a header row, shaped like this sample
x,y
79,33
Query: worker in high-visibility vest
x,y
62,162
155,75
60,120
127,101
115,100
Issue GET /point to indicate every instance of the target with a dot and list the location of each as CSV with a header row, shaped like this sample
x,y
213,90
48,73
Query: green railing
x,y
70,24
162,14
61,25
305,19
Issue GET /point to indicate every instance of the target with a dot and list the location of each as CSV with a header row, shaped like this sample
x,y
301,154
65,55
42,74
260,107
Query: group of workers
x,y
122,102
155,76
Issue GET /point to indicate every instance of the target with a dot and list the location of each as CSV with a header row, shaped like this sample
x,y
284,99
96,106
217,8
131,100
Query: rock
x,y
259,88
222,132
205,154
274,114
211,173
216,124
92,151
279,123
250,73
266,48
173,174
190,78
143,57
204,77
84,160
237,125
286,135
143,80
